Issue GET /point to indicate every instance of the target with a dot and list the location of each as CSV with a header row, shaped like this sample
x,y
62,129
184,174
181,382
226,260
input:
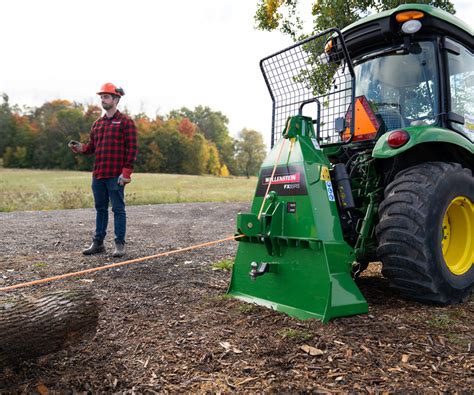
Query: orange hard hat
x,y
111,89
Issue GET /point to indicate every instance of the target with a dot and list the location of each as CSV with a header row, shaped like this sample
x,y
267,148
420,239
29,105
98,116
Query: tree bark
x,y
33,327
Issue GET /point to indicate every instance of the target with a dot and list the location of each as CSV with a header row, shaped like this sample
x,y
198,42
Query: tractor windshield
x,y
400,85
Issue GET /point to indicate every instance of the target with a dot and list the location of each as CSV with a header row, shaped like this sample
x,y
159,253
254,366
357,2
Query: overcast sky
x,y
165,54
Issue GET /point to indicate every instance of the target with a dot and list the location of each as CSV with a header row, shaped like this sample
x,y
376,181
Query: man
x,y
113,142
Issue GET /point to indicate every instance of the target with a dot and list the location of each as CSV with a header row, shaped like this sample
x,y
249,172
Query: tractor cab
x,y
415,67
398,98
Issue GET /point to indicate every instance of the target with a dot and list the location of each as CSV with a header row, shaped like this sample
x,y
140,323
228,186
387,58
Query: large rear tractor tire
x,y
426,233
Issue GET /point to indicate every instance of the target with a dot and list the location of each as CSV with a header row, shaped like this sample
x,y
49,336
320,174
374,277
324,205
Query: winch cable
x,y
112,265
271,179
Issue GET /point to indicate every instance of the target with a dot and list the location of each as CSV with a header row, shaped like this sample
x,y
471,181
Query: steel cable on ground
x,y
96,269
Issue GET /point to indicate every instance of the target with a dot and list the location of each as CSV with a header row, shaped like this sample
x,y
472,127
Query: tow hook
x,y
258,270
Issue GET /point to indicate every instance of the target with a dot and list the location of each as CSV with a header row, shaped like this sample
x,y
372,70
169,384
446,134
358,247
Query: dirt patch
x,y
167,326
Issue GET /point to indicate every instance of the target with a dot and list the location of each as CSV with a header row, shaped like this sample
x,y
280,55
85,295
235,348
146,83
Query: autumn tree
x,y
187,128
21,145
150,158
197,155
17,136
214,166
214,126
251,152
59,122
285,15
6,124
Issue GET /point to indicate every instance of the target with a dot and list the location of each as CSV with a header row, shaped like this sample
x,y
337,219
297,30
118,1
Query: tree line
x,y
184,141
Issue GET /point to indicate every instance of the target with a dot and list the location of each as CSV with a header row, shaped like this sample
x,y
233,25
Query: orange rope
x,y
96,269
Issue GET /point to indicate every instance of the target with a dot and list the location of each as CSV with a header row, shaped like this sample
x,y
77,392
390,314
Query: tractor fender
x,y
420,135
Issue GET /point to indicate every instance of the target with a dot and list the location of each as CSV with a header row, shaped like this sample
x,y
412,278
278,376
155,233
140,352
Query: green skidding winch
x,y
296,249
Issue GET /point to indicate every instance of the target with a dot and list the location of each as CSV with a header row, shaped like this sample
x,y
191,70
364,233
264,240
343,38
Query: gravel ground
x,y
166,325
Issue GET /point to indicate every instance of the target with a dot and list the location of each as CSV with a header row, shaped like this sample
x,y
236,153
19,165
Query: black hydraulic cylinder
x,y
343,187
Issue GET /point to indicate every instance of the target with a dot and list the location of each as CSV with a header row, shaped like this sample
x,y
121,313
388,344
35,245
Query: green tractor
x,y
372,160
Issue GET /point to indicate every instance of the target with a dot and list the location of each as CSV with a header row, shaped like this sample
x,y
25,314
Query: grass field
x,y
55,189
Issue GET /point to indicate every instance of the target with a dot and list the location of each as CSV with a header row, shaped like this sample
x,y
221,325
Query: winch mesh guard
x,y
308,73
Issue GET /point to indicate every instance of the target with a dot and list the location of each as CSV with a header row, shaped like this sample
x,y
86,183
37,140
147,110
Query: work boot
x,y
119,249
95,248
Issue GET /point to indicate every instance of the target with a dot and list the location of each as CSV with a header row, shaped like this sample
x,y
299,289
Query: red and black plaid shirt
x,y
114,143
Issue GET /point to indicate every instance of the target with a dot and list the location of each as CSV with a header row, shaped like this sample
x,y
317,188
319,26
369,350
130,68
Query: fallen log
x,y
31,327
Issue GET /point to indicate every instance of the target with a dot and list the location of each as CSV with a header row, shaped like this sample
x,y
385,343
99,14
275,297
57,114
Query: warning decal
x,y
325,174
330,191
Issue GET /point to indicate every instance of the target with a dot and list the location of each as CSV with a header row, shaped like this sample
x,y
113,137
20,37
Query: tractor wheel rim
x,y
458,235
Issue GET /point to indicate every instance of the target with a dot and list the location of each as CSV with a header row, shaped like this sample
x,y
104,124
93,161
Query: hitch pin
x,y
258,270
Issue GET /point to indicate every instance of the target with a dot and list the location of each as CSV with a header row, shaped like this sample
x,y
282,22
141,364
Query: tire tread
x,y
402,234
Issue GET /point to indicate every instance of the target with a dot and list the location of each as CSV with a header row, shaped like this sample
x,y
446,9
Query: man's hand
x,y
75,146
122,180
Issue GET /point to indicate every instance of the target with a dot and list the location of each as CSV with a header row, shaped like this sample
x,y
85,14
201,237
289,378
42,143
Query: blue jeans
x,y
105,190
